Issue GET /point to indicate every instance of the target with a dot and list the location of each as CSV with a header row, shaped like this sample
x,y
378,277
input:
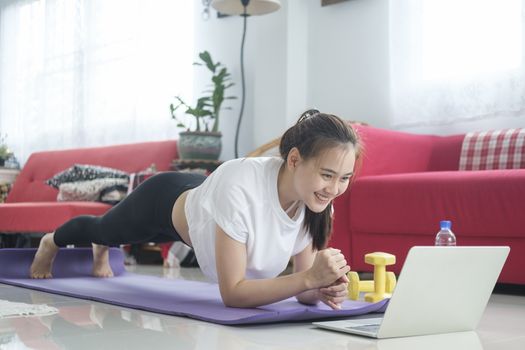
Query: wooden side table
x,y
7,177
204,166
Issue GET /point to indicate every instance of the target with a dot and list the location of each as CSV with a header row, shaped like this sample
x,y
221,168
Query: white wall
x,y
333,58
348,68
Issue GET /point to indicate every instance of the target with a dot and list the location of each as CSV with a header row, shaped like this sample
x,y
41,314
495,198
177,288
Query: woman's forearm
x,y
328,266
254,293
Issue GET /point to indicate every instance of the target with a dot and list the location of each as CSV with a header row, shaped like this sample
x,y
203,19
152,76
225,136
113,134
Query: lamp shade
x,y
255,7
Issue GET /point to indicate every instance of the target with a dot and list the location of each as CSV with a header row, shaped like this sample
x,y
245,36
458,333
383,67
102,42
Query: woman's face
x,y
319,180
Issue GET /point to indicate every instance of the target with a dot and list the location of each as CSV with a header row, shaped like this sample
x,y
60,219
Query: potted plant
x,y
202,138
5,153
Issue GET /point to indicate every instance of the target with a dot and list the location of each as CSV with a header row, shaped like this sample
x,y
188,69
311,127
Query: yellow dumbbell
x,y
357,286
383,284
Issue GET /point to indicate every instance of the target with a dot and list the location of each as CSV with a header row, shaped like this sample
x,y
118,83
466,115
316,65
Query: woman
x,y
244,221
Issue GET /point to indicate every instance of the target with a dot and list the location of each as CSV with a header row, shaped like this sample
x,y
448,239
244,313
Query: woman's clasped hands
x,y
328,276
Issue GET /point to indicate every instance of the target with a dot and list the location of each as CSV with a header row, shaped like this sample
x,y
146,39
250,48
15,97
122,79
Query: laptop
x,y
439,290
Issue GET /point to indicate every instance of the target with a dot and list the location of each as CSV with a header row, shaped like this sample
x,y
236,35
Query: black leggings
x,y
143,216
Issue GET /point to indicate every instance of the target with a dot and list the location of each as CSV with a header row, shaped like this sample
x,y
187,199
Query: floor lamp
x,y
244,8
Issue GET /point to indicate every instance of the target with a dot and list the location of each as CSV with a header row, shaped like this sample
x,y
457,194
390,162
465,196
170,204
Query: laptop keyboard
x,y
374,328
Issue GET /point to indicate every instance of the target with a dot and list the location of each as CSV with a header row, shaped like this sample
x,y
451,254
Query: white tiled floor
x,y
82,324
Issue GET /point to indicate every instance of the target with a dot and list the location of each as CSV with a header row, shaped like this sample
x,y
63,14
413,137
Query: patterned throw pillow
x,y
497,149
114,194
91,190
82,172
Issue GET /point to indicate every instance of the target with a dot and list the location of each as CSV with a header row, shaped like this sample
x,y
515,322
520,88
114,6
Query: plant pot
x,y
200,145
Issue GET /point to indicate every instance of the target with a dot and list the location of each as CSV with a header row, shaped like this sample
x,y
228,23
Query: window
x,y
456,60
92,72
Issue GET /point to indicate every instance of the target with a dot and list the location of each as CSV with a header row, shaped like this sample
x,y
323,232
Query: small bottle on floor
x,y
445,237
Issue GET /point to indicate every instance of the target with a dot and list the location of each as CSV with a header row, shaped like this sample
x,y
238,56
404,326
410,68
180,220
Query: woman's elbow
x,y
228,301
229,298
231,301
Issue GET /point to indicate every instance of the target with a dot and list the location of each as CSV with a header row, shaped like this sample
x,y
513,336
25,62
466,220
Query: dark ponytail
x,y
313,133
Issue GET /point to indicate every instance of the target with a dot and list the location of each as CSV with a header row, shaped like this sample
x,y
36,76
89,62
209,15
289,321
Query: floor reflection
x,y
84,326
459,340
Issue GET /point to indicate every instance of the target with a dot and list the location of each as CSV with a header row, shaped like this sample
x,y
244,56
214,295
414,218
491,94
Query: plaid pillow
x,y
497,149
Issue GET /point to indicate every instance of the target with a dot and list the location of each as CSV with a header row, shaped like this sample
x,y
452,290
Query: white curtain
x,y
77,73
456,60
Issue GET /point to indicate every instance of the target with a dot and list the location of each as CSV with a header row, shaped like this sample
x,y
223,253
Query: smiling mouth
x,y
322,198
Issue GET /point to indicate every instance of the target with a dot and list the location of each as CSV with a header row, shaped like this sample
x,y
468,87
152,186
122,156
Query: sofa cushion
x,y
85,172
479,203
45,216
392,152
90,190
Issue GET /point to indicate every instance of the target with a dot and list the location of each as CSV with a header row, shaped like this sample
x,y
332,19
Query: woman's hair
x,y
314,133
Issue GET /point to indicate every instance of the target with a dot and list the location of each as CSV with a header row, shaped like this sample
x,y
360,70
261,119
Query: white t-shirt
x,y
241,197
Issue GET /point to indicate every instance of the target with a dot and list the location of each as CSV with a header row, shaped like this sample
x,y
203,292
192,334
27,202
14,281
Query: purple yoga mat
x,y
199,300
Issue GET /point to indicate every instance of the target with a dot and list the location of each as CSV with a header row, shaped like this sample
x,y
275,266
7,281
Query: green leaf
x,y
206,58
207,107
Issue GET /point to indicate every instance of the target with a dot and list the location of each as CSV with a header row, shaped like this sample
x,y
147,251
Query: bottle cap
x,y
445,224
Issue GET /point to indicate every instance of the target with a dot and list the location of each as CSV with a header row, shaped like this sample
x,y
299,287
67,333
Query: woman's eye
x,y
327,176
346,179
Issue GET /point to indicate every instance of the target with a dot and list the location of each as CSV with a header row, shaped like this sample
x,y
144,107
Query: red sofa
x,y
31,206
408,183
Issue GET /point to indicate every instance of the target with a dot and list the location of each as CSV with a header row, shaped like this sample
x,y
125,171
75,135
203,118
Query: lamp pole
x,y
243,85
240,7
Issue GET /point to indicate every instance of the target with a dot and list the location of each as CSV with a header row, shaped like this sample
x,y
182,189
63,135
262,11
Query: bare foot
x,y
101,267
44,257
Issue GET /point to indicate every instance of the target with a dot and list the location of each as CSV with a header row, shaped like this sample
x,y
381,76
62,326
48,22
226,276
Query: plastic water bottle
x,y
445,237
